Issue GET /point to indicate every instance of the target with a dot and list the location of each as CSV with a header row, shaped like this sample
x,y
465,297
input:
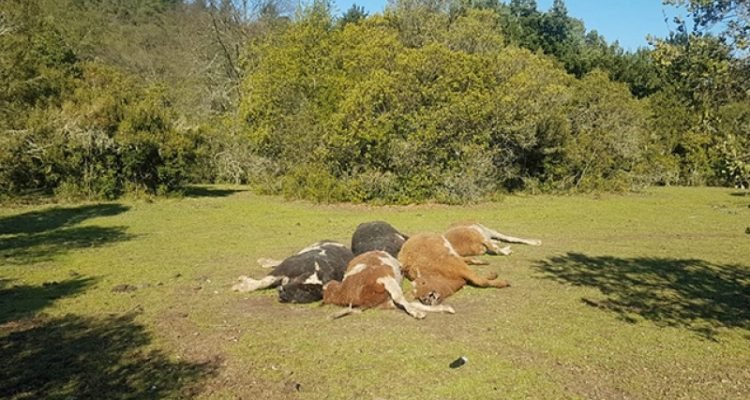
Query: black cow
x,y
300,278
377,235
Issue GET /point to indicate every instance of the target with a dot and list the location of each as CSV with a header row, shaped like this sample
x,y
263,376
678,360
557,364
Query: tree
x,y
700,76
732,16
353,15
523,8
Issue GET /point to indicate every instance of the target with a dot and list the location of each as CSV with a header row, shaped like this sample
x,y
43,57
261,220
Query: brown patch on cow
x,y
361,288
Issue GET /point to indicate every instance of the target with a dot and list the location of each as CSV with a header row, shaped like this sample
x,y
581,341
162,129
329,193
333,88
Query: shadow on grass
x,y
98,358
41,235
200,191
20,301
56,218
692,294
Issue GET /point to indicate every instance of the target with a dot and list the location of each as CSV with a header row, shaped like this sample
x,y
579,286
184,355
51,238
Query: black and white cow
x,y
300,278
377,235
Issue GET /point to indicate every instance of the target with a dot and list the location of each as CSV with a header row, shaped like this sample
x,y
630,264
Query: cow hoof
x,y
449,310
268,262
418,314
237,287
247,285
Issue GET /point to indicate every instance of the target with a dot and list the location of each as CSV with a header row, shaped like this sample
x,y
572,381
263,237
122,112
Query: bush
x,y
440,116
108,136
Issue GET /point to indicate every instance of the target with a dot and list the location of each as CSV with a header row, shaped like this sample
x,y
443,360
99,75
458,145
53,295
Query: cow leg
x,y
474,261
505,238
268,262
436,308
347,311
397,296
415,309
249,284
494,249
491,281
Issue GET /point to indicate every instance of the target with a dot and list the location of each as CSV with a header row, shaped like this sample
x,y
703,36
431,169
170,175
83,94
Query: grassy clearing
x,y
641,296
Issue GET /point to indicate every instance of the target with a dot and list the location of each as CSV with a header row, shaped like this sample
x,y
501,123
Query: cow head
x,y
432,290
297,291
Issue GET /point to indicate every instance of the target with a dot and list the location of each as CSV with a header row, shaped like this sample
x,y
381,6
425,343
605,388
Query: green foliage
x,y
353,15
385,110
476,31
733,159
733,16
607,142
36,66
107,137
432,100
700,78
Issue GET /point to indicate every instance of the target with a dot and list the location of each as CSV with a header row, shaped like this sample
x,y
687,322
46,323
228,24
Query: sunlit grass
x,y
630,296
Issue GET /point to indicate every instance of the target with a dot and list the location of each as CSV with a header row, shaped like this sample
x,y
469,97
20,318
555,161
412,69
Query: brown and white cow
x,y
437,270
474,239
373,279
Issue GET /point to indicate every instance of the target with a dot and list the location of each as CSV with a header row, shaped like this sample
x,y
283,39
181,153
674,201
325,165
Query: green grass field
x,y
640,296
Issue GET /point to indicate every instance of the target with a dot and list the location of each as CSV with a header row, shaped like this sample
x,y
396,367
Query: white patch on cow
x,y
313,280
317,266
318,246
322,253
248,284
312,247
390,261
450,248
401,237
357,269
482,231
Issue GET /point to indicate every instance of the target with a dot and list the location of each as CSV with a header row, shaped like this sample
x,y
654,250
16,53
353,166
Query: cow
x,y
373,279
473,239
300,278
377,235
437,270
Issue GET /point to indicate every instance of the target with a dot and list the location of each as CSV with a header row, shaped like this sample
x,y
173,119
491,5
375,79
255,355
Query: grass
x,y
643,296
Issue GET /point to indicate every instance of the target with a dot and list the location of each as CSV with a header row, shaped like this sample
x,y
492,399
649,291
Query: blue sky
x,y
627,21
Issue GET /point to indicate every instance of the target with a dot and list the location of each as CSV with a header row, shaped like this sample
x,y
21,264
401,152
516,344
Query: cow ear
x,y
284,280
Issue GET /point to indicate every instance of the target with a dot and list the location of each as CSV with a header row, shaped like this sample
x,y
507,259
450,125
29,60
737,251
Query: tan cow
x,y
437,270
473,239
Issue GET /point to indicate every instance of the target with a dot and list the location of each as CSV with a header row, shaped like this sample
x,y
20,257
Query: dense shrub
x,y
361,114
446,100
107,137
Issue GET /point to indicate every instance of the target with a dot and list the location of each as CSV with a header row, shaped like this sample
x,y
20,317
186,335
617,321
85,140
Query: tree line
x,y
431,100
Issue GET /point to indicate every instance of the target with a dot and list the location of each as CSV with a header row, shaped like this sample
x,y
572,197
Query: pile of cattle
x,y
370,273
